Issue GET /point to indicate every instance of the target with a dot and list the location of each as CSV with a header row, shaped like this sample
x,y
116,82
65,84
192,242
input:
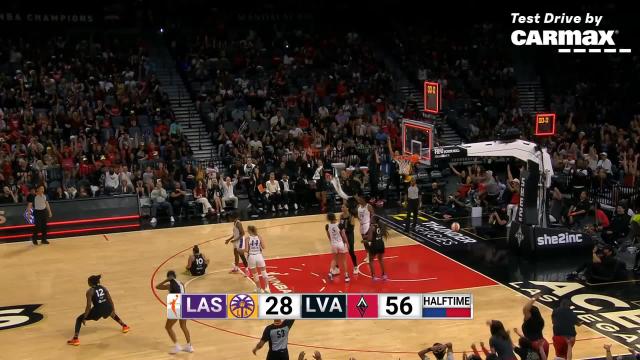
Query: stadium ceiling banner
x,y
52,18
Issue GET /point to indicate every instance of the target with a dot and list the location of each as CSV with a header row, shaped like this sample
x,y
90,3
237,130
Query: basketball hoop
x,y
406,162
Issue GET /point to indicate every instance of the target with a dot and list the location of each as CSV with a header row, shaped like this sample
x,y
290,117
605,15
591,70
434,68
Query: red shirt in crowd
x,y
303,122
464,189
86,169
602,218
515,198
341,89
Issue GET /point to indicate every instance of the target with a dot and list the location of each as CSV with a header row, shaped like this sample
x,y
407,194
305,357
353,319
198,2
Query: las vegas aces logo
x,y
18,315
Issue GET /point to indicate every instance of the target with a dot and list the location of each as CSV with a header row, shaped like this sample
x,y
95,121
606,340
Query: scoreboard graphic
x,y
320,306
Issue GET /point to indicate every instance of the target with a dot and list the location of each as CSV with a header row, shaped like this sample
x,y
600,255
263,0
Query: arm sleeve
x,y
265,334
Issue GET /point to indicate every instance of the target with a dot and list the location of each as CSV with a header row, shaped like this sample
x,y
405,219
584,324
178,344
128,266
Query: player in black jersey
x,y
277,335
347,216
103,307
197,263
375,241
175,287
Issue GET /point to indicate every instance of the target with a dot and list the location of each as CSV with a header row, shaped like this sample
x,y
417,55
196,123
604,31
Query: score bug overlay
x,y
319,306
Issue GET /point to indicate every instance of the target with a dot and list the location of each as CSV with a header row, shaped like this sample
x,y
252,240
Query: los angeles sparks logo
x,y
174,305
242,306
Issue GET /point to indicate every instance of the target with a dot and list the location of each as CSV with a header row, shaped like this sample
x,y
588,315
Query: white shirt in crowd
x,y
273,186
277,120
227,189
604,164
125,175
285,185
296,132
111,180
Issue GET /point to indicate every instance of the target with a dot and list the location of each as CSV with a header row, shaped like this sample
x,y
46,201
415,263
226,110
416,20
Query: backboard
x,y
417,139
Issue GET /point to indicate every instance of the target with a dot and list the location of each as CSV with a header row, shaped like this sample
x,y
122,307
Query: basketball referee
x,y
41,211
413,204
277,335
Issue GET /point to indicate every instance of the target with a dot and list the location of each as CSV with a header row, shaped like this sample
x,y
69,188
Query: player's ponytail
x,y
384,230
196,249
331,217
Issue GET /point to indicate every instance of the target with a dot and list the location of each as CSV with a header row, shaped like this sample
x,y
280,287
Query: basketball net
x,y
405,164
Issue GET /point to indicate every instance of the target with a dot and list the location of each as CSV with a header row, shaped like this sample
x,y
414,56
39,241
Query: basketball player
x,y
237,238
339,245
365,214
374,243
277,335
254,246
197,263
175,287
346,219
102,308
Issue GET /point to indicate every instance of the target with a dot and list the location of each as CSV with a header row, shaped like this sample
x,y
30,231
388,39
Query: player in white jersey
x,y
254,244
365,213
339,245
237,239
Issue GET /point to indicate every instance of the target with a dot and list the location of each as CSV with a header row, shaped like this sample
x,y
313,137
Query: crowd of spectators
x,y
286,105
80,116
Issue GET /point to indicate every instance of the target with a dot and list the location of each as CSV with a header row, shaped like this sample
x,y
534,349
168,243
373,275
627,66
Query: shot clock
x,y
545,124
432,97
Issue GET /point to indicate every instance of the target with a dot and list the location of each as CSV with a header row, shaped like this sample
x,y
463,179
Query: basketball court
x,y
297,261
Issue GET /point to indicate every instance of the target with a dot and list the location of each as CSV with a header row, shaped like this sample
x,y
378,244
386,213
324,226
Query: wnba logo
x,y
242,306
174,306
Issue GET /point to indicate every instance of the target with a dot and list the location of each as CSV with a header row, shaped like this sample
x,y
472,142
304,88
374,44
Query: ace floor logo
x,y
614,317
18,315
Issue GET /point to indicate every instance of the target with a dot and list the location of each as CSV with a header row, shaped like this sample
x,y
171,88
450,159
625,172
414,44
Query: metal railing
x,y
606,192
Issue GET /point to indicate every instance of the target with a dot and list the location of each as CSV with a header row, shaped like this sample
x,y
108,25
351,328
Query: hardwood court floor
x,y
55,276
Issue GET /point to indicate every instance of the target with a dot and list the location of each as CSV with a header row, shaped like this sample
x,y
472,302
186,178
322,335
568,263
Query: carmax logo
x,y
585,41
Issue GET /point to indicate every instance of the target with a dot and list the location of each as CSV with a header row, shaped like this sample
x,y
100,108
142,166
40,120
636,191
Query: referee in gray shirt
x,y
41,212
413,204
277,336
